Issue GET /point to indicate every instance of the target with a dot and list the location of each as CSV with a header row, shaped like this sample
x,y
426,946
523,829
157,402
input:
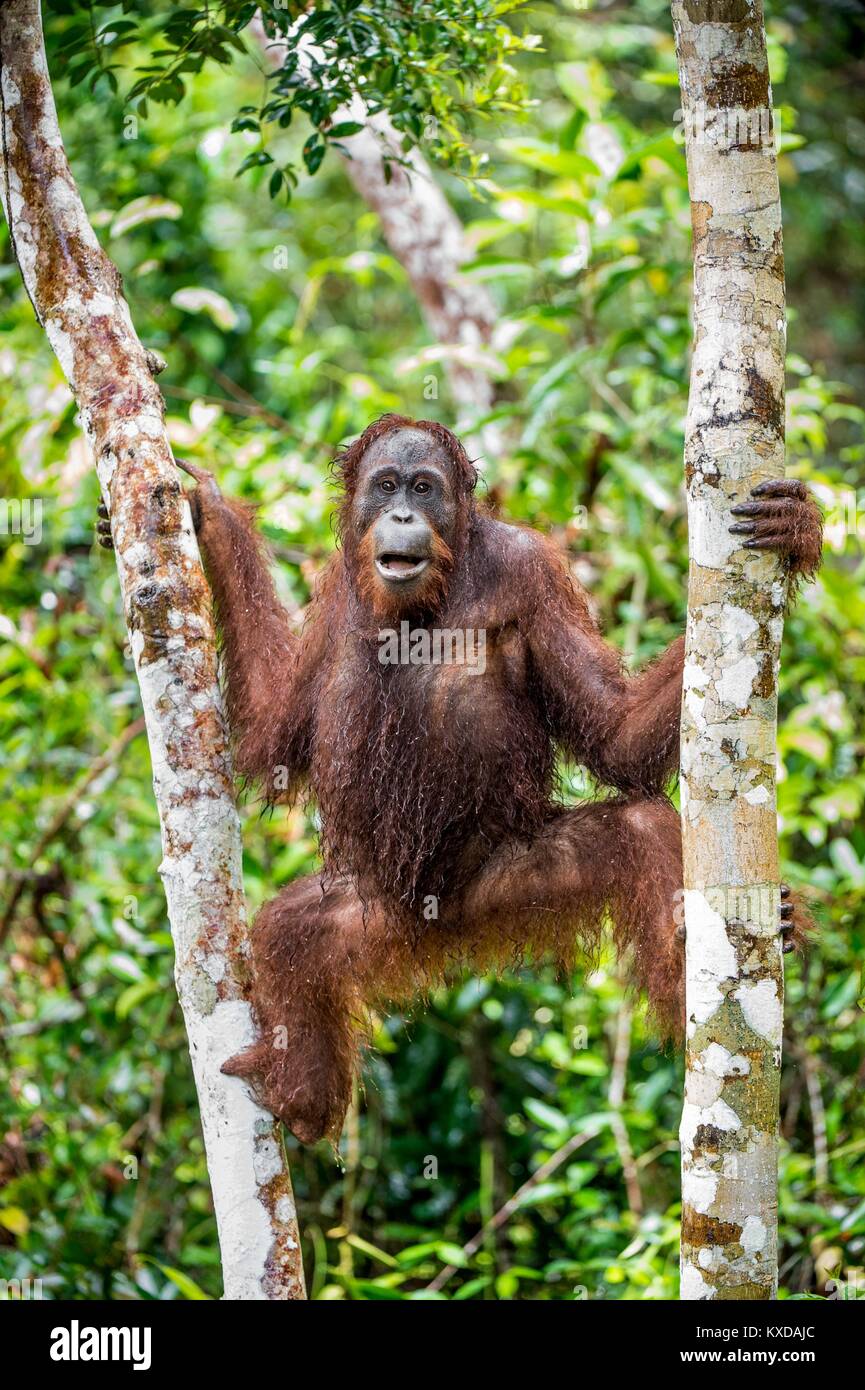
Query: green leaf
x,y
545,1115
565,164
15,1220
142,210
188,1287
129,1000
841,996
358,1243
196,299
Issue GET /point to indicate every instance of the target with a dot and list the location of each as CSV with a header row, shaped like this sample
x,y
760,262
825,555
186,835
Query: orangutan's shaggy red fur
x,y
443,843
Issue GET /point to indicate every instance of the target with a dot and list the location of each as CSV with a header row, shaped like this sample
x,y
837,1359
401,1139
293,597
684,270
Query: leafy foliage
x,y
433,66
285,331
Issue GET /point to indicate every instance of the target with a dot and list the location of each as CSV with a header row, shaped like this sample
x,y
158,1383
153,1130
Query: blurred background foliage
x,y
287,327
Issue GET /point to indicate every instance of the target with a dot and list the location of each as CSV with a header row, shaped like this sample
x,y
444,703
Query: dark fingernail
x,y
743,528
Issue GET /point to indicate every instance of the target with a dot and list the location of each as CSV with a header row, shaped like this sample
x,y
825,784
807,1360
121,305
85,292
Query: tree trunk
x,y
76,293
736,598
427,238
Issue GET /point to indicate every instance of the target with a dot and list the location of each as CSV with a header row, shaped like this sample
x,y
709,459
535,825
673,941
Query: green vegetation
x,y
287,327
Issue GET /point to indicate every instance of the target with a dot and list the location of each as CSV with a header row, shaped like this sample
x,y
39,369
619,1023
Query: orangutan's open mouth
x,y
393,566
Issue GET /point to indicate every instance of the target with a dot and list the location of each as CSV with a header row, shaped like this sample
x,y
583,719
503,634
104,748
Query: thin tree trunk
x,y
427,238
734,439
76,293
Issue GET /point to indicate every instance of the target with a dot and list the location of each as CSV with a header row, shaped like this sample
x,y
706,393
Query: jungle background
x,y
287,326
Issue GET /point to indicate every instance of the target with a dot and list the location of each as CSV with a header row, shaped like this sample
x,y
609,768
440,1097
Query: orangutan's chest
x,y
420,694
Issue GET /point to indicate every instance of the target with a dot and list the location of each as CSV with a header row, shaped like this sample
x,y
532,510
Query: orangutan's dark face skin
x,y
405,501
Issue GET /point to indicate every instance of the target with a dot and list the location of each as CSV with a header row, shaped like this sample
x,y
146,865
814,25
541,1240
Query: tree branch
x,y
425,235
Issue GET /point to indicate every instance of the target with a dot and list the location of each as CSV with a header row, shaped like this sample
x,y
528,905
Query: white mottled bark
x,y
736,597
77,296
427,238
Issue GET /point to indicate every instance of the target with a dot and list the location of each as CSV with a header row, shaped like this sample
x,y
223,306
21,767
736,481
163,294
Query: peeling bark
x,y
736,600
77,295
427,238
